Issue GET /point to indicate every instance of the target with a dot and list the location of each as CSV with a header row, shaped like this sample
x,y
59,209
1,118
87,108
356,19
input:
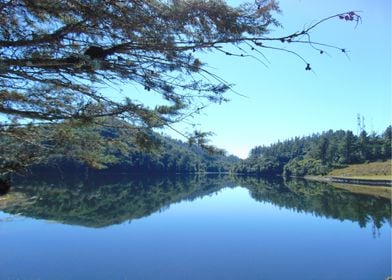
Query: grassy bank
x,y
365,171
379,191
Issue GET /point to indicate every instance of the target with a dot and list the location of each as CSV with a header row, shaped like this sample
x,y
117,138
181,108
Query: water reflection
x,y
100,200
322,199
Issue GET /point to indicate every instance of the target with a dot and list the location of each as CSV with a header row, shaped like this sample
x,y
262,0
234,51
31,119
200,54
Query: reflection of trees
x,y
321,199
103,200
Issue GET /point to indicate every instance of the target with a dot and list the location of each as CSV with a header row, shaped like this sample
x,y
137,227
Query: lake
x,y
107,226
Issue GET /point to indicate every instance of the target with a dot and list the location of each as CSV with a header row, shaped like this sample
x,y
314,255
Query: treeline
x,y
108,144
174,156
164,156
317,154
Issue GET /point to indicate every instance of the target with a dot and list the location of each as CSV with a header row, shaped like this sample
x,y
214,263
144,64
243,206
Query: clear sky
x,y
284,100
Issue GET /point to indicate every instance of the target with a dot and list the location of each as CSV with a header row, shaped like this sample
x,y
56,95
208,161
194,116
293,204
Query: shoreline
x,y
376,188
351,180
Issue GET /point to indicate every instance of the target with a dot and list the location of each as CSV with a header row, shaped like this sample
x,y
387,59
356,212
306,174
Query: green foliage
x,y
85,142
131,150
265,166
62,63
57,56
317,154
108,144
308,166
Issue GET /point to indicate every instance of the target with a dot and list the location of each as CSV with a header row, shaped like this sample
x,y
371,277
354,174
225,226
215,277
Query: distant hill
x,y
162,155
107,143
175,156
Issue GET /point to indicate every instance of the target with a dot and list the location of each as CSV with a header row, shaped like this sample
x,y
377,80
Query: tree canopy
x,y
58,57
317,154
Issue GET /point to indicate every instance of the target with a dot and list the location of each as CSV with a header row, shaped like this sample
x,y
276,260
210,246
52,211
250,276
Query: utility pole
x,y
360,124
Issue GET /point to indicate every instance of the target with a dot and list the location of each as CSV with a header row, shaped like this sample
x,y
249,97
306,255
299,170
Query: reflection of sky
x,y
226,235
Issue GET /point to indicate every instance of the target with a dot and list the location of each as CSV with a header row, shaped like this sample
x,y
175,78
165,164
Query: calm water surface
x,y
111,227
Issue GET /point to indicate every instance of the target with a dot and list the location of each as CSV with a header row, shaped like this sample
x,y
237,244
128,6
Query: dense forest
x,y
120,150
111,144
174,156
157,154
317,154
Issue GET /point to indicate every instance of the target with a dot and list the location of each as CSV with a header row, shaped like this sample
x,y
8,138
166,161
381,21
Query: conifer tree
x,y
56,57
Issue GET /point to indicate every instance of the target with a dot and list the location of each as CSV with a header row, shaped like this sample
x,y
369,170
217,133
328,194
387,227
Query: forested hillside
x,y
157,154
174,156
317,154
115,146
112,144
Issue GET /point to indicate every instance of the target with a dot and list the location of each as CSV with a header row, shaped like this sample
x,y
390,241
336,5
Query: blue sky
x,y
285,101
